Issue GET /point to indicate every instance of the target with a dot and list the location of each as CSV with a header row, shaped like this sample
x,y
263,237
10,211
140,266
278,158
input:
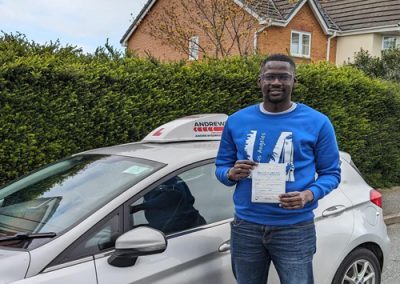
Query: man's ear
x,y
259,81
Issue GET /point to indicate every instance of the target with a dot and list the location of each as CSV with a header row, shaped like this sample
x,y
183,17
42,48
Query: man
x,y
272,152
169,207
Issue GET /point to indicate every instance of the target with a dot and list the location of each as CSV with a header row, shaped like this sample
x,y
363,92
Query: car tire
x,y
362,262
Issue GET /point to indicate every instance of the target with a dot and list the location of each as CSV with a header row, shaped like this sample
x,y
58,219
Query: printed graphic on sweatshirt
x,y
283,151
249,146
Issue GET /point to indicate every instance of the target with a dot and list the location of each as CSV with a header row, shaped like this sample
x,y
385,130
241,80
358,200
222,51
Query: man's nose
x,y
276,81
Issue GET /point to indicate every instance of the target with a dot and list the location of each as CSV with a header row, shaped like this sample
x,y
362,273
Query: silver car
x,y
153,212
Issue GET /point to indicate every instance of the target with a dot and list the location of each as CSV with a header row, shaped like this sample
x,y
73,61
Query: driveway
x,y
391,208
392,273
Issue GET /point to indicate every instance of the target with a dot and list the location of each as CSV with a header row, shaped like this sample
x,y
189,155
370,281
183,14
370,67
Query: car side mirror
x,y
137,242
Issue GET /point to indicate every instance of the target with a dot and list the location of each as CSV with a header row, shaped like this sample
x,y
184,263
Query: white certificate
x,y
268,182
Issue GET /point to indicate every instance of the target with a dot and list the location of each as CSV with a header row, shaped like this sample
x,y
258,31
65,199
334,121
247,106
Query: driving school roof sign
x,y
190,128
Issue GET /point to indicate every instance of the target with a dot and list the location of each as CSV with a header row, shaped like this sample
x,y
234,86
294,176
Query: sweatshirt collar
x,y
292,108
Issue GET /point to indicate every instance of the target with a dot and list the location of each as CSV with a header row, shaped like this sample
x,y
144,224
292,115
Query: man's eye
x,y
284,77
280,77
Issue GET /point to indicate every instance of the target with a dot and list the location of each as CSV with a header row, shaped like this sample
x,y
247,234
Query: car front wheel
x,y
361,266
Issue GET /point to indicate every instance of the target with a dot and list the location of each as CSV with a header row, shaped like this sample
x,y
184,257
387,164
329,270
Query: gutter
x,y
387,28
268,23
328,47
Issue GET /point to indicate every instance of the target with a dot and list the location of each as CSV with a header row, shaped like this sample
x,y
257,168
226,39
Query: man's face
x,y
276,82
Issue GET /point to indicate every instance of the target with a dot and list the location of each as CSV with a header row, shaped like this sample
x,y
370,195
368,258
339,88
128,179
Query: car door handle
x,y
337,209
226,246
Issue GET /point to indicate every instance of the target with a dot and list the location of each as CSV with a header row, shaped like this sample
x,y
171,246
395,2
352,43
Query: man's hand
x,y
241,170
295,199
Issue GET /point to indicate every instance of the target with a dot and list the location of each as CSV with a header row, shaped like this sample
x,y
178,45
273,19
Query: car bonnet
x,y
13,265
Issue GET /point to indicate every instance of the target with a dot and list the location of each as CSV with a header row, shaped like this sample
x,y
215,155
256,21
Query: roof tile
x,y
341,15
359,14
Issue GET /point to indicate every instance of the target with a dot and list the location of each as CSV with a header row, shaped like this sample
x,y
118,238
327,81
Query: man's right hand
x,y
241,170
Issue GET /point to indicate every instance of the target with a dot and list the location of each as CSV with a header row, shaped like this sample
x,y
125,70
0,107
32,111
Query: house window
x,y
194,48
391,42
300,44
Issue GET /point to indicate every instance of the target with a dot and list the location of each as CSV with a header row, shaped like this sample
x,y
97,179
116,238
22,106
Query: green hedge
x,y
55,101
365,113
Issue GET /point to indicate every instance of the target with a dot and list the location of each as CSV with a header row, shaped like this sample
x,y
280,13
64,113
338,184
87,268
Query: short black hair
x,y
279,57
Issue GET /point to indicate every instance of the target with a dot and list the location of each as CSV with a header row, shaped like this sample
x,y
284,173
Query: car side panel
x,y
334,233
79,273
369,226
189,258
368,232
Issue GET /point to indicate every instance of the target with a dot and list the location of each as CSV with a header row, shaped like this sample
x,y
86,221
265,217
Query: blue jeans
x,y
290,248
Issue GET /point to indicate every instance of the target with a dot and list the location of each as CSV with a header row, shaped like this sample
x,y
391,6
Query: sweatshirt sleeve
x,y
327,162
226,156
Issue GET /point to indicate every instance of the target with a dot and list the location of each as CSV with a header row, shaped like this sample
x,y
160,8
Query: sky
x,y
83,23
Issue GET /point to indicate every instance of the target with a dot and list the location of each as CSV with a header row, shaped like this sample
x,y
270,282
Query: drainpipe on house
x,y
328,47
257,33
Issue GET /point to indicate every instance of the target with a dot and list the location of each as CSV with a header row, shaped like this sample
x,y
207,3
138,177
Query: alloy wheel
x,y
360,272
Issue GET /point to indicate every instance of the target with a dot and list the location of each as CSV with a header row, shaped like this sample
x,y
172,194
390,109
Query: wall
x,y
347,46
377,44
142,43
277,39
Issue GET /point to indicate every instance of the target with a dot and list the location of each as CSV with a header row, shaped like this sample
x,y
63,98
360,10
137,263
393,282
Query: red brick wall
x,y
332,55
142,43
272,40
277,39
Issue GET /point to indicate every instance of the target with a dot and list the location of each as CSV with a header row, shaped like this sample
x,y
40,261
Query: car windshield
x,y
58,196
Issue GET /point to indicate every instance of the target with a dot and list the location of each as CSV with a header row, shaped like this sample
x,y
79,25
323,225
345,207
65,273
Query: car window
x,y
98,239
187,200
58,196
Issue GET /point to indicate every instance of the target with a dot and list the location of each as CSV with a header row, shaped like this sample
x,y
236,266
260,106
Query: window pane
x,y
305,45
99,238
389,42
194,48
191,199
104,238
295,45
58,196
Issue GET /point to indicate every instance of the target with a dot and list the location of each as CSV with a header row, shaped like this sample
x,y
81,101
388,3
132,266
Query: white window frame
x,y
301,53
390,36
194,48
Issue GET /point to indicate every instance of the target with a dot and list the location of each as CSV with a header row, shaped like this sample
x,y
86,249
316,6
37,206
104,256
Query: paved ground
x,y
391,200
391,212
392,273
391,205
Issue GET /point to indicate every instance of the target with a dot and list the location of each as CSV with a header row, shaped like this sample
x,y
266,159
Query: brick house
x,y
308,30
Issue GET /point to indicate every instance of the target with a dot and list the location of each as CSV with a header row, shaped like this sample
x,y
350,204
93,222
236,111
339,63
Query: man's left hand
x,y
295,199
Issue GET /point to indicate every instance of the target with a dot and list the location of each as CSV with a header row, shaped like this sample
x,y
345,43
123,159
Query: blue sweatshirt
x,y
303,139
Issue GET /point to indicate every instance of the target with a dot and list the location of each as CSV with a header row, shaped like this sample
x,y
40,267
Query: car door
x,y
334,222
194,211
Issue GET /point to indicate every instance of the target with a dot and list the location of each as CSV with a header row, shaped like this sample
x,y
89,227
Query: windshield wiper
x,y
26,235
